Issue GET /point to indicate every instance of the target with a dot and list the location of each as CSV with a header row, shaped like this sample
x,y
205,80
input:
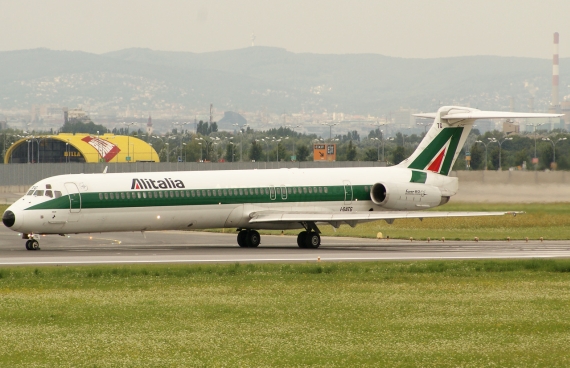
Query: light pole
x,y
266,148
292,128
535,159
330,125
484,144
181,125
554,145
277,148
379,124
200,144
378,143
150,144
184,145
242,132
493,140
128,158
233,146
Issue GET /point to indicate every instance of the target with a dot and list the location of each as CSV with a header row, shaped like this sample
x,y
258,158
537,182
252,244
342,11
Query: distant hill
x,y
259,78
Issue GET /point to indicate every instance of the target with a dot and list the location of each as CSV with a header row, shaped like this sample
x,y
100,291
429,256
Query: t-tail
x,y
440,147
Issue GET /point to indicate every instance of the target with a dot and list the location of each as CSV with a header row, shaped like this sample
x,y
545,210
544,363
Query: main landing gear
x,y
32,244
248,238
309,238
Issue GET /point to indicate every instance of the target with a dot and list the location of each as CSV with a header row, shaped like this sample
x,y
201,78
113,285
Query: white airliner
x,y
250,200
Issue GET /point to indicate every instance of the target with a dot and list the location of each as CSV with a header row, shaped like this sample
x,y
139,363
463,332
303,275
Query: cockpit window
x,y
48,186
39,193
30,192
49,193
57,193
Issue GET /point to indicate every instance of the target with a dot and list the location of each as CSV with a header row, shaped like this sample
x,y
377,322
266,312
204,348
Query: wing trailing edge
x,y
281,217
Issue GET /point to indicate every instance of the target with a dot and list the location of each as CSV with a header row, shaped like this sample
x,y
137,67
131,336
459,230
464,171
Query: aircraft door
x,y
347,192
74,201
283,192
272,194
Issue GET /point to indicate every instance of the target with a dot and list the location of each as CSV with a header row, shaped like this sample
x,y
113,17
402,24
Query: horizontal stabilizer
x,y
475,114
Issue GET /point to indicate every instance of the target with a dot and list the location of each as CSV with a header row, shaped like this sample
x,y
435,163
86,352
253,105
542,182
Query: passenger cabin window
x,y
106,195
101,196
111,196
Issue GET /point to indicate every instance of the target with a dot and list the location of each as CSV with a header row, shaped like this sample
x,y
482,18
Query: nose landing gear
x,y
32,244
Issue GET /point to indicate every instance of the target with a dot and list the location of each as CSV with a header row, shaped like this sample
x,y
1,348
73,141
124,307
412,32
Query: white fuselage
x,y
91,203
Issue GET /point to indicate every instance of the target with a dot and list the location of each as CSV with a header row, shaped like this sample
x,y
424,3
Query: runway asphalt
x,y
201,247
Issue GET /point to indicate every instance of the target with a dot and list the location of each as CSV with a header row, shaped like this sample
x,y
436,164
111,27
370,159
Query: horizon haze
x,y
406,29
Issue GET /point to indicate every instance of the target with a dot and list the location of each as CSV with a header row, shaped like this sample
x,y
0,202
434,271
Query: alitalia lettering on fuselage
x,y
166,183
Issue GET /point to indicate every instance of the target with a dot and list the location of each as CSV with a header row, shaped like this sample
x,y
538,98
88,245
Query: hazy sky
x,y
403,28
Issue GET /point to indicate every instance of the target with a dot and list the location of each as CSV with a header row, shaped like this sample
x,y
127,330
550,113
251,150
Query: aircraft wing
x,y
489,115
354,217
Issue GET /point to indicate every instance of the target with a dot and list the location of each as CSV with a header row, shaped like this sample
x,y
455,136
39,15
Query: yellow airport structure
x,y
80,147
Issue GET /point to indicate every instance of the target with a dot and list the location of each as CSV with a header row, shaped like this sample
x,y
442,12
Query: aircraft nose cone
x,y
8,218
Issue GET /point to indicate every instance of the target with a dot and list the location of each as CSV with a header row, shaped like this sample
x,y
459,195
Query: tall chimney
x,y
555,103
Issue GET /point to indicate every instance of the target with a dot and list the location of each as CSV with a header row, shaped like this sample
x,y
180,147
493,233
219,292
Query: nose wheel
x,y
32,244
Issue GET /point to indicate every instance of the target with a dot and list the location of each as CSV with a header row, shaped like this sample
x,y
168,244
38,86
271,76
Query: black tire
x,y
34,245
241,238
253,239
312,240
28,245
301,239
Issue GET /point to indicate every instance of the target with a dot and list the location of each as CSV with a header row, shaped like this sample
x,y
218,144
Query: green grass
x,y
404,314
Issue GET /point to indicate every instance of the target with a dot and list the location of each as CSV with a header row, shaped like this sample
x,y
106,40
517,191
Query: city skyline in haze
x,y
405,28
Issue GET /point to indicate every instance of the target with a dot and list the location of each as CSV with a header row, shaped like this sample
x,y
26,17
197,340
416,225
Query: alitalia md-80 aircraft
x,y
250,200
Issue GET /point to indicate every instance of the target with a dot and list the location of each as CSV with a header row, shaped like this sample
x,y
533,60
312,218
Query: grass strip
x,y
425,313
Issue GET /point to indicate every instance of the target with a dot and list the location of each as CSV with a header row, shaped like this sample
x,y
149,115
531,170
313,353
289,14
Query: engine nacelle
x,y
409,196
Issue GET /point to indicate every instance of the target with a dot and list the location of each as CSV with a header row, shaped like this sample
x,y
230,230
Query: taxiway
x,y
203,247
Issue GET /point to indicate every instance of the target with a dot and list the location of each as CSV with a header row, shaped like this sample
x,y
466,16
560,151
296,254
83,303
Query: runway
x,y
201,247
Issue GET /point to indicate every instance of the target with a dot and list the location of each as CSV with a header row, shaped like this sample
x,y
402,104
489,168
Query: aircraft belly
x,y
147,219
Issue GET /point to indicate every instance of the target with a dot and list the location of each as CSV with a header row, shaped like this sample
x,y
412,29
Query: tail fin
x,y
440,147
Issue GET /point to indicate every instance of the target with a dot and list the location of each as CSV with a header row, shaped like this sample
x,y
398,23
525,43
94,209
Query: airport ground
x,y
196,299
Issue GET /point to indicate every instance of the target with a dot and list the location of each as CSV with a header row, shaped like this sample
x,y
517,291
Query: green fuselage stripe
x,y
184,197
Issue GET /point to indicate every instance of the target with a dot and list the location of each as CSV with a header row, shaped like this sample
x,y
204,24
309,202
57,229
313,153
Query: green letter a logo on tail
x,y
440,153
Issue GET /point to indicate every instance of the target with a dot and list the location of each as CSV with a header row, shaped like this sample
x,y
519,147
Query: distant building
x,y
230,118
510,127
80,147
